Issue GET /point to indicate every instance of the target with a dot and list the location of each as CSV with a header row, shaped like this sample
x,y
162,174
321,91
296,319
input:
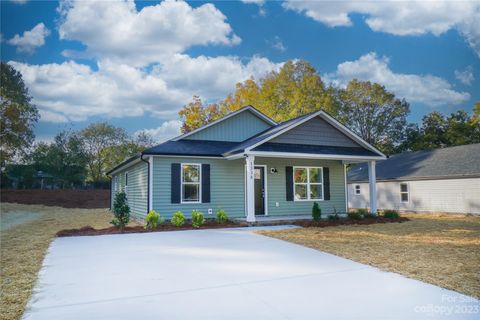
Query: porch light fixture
x,y
273,170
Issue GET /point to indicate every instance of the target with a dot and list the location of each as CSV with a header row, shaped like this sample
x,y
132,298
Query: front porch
x,y
273,193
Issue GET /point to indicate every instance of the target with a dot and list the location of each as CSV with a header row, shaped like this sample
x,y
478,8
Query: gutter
x,y
148,181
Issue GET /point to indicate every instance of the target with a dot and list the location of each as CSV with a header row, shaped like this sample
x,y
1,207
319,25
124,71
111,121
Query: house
x,y
248,165
442,180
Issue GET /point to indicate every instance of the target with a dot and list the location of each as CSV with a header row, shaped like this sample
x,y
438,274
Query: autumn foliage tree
x,y
294,90
17,115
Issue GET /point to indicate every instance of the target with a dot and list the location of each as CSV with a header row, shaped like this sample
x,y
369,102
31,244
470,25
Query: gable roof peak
x,y
249,108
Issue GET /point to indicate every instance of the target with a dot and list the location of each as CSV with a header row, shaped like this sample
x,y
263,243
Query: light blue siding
x,y
277,187
137,192
226,185
237,128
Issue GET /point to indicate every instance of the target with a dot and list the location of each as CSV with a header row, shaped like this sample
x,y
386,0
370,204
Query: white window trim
x,y
307,183
199,183
405,192
125,187
355,189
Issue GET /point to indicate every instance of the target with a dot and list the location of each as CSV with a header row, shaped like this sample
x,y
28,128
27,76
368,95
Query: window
x,y
115,184
404,194
191,183
308,183
357,189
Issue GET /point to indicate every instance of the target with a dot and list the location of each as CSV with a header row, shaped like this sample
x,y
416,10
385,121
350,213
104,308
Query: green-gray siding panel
x,y
277,187
226,185
137,192
237,128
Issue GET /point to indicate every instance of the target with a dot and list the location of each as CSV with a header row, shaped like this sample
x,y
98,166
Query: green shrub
x,y
391,214
316,212
197,219
121,211
153,220
222,216
363,211
178,219
333,217
355,215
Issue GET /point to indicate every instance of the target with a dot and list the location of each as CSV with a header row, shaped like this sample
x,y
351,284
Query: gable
x,y
316,132
235,129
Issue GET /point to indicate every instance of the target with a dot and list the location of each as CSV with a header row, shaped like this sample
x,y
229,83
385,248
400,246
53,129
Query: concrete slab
x,y
224,274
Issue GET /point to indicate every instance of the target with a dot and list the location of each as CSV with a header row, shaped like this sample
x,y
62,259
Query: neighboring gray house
x,y
442,180
248,165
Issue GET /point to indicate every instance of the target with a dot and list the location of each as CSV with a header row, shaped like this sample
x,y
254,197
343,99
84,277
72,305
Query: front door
x,y
259,191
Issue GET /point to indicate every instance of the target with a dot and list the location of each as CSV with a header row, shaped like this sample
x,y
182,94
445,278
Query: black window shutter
x,y
289,182
326,184
205,183
176,185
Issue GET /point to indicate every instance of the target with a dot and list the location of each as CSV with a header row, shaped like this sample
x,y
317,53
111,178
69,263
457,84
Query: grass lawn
x,y
27,231
443,250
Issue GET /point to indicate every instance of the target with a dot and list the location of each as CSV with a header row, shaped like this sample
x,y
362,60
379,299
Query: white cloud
x,y
399,17
117,31
73,91
426,89
168,130
257,2
49,116
19,1
30,40
277,44
466,76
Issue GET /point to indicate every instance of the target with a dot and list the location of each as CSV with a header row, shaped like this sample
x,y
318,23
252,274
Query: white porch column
x,y
250,188
372,184
150,181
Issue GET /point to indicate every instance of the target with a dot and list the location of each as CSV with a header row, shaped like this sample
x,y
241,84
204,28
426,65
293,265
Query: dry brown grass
x,y
23,248
439,249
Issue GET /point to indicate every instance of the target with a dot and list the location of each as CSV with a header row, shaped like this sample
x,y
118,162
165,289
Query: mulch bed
x,y
341,222
89,231
87,199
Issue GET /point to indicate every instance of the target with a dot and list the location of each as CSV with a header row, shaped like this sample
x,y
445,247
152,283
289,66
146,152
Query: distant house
x,y
248,165
442,180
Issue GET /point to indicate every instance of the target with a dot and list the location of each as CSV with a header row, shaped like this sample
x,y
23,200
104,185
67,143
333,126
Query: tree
x,y
439,131
121,211
194,114
373,113
296,89
98,140
17,115
64,159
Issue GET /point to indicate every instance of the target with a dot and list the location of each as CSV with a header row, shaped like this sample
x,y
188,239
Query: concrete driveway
x,y
224,274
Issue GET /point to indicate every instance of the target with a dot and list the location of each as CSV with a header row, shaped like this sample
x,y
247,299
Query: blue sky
x,y
135,64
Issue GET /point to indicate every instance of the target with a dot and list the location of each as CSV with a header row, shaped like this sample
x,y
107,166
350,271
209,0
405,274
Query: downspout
x,y
148,182
111,190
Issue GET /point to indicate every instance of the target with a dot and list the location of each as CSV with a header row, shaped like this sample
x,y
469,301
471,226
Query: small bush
x,y
391,214
333,217
178,219
363,211
153,220
316,212
370,215
121,211
222,216
197,219
355,215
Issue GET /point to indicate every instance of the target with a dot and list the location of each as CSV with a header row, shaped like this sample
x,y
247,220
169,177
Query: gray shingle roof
x,y
440,163
192,148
